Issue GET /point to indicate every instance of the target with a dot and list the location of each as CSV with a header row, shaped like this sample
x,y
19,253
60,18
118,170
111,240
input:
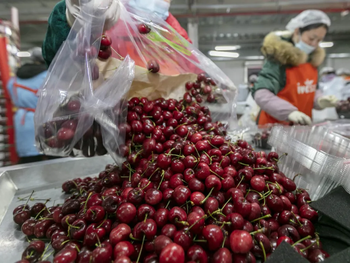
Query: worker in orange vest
x,y
287,86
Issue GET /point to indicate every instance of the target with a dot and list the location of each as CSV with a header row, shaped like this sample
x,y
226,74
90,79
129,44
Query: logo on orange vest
x,y
309,87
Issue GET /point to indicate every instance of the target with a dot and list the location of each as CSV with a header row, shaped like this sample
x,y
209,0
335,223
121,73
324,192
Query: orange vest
x,y
301,84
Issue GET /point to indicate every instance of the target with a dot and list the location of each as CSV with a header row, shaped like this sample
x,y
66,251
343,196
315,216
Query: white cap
x,y
343,71
327,70
307,18
253,78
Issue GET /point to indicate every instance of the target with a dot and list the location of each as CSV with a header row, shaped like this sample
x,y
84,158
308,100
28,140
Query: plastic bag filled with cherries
x,y
88,86
74,115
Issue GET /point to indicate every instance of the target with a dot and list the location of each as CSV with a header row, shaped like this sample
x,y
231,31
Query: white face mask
x,y
304,47
160,7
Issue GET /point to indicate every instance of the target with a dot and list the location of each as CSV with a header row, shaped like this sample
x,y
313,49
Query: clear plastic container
x,y
319,155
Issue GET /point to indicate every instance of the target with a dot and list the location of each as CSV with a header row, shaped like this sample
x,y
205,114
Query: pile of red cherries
x,y
186,193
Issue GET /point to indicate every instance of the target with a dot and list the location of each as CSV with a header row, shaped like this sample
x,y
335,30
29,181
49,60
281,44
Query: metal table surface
x,y
46,179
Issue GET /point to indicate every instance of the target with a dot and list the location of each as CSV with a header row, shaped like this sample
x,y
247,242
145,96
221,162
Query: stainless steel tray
x,y
46,179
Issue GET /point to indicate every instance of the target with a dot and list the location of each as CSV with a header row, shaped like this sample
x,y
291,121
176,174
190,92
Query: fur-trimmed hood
x,y
274,47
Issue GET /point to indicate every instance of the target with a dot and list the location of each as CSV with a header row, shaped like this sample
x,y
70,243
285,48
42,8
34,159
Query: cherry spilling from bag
x,y
186,193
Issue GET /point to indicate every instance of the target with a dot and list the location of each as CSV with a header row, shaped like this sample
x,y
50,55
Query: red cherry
x,y
172,253
106,41
143,28
241,241
153,66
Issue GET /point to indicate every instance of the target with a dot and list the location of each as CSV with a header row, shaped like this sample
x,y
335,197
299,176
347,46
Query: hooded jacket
x,y
280,53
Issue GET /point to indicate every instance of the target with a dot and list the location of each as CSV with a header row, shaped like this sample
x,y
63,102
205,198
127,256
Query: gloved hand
x,y
299,117
327,101
112,14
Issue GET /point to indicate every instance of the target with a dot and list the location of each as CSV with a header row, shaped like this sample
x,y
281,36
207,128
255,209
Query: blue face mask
x,y
160,7
305,47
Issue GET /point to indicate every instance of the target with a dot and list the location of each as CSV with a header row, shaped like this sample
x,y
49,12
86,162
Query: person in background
x,y
252,79
344,73
286,89
327,74
23,89
66,12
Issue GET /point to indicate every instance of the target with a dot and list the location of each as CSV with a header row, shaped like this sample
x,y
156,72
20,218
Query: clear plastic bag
x,y
73,114
145,58
156,47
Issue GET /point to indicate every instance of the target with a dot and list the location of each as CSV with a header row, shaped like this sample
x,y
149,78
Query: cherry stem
x,y
25,205
243,164
263,217
223,242
206,198
98,240
277,186
161,181
143,241
221,178
226,203
211,144
200,241
281,157
133,238
263,250
258,231
297,219
31,254
146,215
176,155
153,174
240,181
146,185
295,176
103,221
120,56
87,199
48,255
65,242
42,210
166,207
46,248
196,150
211,160
301,240
77,248
264,196
181,222
203,217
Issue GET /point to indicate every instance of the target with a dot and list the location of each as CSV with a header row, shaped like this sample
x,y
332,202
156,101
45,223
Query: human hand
x,y
327,101
112,13
300,118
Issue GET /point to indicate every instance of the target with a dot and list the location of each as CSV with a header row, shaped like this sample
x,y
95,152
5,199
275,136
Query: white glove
x,y
112,14
327,101
299,117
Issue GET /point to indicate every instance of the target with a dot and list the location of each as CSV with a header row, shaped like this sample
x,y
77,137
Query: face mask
x,y
160,7
305,47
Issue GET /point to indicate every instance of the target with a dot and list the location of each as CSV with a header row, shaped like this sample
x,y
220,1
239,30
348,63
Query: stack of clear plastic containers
x,y
319,155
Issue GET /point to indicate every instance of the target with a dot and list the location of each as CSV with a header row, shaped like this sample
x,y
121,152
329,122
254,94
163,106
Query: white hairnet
x,y
343,71
253,78
307,18
36,54
327,70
